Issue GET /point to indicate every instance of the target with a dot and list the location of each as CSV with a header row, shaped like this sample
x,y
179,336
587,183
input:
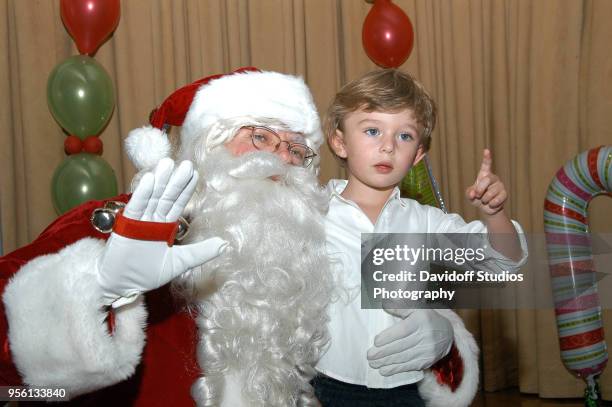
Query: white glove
x,y
416,342
130,267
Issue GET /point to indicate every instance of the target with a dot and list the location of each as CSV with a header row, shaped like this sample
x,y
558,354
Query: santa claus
x,y
122,317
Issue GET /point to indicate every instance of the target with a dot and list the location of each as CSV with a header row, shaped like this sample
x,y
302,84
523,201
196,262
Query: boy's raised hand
x,y
488,193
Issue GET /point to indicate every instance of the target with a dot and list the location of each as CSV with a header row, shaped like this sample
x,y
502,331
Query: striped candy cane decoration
x,y
574,284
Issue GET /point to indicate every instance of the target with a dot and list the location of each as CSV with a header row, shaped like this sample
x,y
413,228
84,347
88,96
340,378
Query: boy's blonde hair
x,y
383,90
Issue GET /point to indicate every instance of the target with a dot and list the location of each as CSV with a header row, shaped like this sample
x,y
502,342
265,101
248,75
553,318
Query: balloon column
x,y
81,99
577,307
387,34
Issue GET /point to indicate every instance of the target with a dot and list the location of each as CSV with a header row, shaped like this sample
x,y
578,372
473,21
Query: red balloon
x,y
90,22
93,145
387,34
73,145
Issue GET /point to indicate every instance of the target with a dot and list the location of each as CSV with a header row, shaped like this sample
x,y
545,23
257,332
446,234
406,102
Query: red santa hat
x,y
246,92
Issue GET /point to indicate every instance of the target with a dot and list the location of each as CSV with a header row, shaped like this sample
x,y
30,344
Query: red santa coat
x,y
108,363
168,366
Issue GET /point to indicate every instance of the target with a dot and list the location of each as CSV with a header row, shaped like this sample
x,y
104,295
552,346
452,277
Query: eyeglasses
x,y
266,139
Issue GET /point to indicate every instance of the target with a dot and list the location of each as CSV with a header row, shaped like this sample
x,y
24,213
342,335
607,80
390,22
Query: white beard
x,y
262,303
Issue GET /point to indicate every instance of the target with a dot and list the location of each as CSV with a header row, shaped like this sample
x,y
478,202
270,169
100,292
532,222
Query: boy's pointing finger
x,y
487,162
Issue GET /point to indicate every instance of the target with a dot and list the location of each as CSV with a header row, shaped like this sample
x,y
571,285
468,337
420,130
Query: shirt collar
x,y
336,186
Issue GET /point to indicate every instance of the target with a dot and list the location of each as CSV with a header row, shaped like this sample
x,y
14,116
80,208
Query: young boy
x,y
380,126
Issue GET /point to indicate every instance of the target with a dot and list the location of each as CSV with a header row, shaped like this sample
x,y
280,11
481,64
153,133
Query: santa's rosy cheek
x,y
238,148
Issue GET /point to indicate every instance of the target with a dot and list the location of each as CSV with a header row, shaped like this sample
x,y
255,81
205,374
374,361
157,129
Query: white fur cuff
x,y
57,333
437,395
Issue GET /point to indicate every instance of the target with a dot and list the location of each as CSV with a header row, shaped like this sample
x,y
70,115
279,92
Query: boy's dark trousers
x,y
334,393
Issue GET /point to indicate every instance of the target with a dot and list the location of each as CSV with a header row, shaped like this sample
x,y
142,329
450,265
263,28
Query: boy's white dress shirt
x,y
353,329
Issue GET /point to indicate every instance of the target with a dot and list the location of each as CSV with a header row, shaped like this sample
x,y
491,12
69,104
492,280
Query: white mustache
x,y
259,165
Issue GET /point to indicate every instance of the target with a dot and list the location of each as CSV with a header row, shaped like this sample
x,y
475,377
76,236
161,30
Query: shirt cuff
x,y
503,261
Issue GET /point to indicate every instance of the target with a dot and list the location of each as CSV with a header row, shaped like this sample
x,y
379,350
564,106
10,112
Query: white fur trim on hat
x,y
146,146
270,95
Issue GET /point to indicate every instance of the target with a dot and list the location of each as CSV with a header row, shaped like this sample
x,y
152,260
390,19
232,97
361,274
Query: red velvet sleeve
x,y
65,230
449,369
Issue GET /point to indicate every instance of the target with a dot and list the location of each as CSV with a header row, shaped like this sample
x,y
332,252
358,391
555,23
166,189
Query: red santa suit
x,y
110,354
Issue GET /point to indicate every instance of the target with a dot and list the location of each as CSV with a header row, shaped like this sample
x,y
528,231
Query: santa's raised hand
x,y
487,193
131,266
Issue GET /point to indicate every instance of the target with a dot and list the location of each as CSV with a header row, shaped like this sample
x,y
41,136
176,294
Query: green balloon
x,y
419,184
80,178
80,96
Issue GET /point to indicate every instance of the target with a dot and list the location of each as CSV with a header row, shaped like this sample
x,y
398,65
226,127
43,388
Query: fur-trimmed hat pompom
x,y
146,146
